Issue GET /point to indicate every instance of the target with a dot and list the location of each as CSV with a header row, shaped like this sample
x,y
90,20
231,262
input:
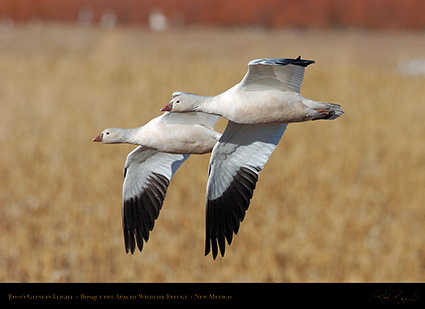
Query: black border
x,y
379,295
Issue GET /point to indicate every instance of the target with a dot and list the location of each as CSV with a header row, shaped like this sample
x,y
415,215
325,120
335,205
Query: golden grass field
x,y
339,201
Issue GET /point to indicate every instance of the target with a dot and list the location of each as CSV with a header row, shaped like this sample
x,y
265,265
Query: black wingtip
x,y
140,212
224,214
300,62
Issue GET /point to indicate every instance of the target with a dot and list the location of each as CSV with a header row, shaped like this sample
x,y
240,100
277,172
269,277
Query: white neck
x,y
128,136
210,104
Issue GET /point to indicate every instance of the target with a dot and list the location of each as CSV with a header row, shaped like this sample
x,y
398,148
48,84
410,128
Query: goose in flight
x,y
259,109
165,143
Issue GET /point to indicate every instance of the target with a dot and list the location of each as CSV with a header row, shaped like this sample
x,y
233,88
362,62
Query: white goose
x,y
165,143
258,109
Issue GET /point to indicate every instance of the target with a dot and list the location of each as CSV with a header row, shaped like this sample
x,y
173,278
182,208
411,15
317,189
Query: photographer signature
x,y
385,297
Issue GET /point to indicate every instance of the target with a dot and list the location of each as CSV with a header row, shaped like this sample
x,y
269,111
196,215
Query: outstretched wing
x,y
147,174
236,160
281,74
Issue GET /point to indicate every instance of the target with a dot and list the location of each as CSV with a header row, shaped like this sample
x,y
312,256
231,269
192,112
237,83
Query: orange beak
x,y
97,138
167,108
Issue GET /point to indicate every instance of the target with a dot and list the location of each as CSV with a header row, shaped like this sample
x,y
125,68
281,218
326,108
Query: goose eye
x,y
107,133
178,101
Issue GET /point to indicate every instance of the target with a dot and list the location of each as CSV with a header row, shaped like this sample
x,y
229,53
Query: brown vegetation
x,y
339,200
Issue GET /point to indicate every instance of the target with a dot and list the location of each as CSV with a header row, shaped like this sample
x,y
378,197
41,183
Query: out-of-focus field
x,y
338,200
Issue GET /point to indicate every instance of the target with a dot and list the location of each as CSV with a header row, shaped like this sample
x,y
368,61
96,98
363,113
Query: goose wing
x,y
281,74
147,174
235,163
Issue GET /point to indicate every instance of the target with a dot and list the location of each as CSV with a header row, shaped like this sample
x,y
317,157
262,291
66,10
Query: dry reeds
x,y
338,200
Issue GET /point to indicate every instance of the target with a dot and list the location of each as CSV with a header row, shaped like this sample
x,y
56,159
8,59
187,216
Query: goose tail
x,y
324,110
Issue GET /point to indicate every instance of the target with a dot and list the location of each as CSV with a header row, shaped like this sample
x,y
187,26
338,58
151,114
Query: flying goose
x,y
165,143
259,109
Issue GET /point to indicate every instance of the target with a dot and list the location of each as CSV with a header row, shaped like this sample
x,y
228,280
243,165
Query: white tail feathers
x,y
332,111
323,110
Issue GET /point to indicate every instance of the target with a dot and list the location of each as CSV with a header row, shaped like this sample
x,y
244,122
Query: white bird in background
x,y
165,143
258,109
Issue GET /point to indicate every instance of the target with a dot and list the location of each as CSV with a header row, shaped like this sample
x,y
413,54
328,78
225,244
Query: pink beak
x,y
97,138
166,108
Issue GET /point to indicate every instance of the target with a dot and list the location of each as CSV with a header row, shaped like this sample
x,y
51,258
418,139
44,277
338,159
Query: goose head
x,y
182,102
109,136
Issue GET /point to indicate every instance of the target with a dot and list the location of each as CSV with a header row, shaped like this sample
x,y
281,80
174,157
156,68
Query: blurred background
x,y
339,201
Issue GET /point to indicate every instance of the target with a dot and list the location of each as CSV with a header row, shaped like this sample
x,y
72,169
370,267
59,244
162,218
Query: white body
x,y
269,93
189,133
259,107
166,135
